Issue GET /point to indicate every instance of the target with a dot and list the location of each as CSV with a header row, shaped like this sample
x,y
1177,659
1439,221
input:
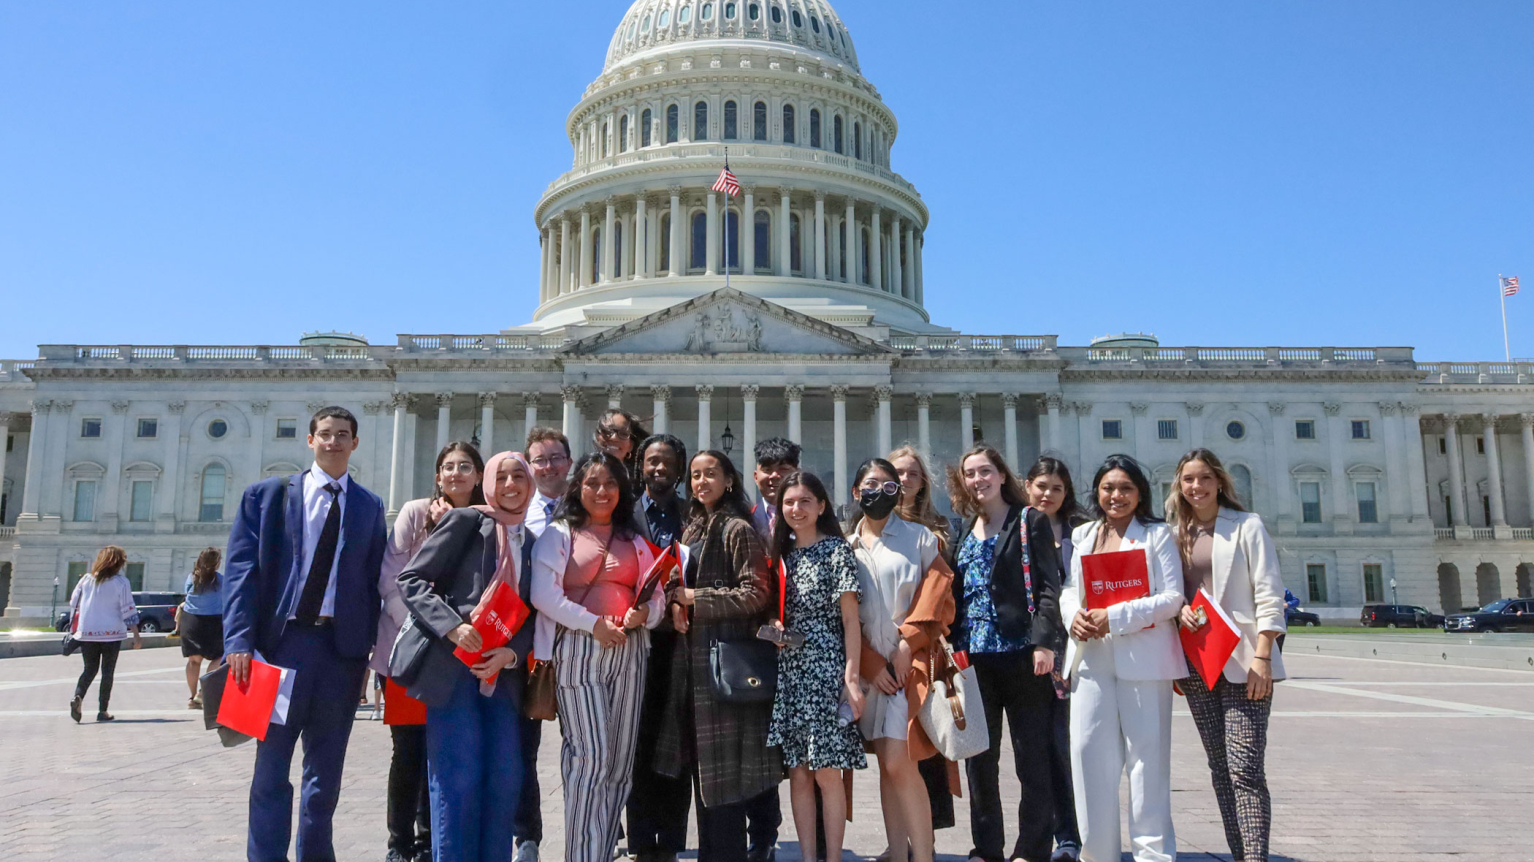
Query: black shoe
x,y
105,716
74,709
762,854
395,856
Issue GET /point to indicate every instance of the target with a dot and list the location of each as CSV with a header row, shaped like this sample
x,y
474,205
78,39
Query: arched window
x,y
604,140
673,123
1241,478
214,479
777,15
700,121
857,140
762,238
795,258
646,119
731,121
623,133
836,136
865,270
699,241
788,117
684,15
759,121
664,264
814,129
617,248
732,240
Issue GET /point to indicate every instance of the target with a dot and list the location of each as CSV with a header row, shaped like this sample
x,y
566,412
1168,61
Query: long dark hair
x,y
1136,474
476,494
734,502
958,493
206,569
1070,509
826,525
573,512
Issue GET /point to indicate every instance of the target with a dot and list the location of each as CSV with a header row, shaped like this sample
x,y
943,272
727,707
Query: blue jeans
x,y
474,756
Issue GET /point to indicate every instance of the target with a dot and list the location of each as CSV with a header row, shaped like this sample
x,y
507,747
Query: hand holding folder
x,y
658,576
251,708
1210,646
499,615
1113,579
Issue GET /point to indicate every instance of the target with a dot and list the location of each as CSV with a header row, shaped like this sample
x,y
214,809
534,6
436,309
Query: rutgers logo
x,y
1097,588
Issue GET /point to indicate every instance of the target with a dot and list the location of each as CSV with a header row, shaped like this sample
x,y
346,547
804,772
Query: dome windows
x,y
623,133
814,128
836,136
754,11
759,121
644,26
645,122
788,122
700,121
777,15
798,19
684,15
673,123
665,19
814,23
857,141
633,30
731,121
708,12
729,11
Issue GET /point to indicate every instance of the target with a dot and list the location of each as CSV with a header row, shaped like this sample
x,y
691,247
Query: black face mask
x,y
877,504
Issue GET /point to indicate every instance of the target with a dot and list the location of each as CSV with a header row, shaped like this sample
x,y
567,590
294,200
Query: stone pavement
x,y
1368,760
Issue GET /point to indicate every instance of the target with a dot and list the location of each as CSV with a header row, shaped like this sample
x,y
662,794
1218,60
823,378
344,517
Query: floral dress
x,y
810,678
974,629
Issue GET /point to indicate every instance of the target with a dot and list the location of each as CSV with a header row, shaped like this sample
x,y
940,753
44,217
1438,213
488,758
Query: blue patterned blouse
x,y
975,628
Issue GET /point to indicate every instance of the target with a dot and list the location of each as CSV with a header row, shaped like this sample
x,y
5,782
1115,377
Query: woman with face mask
x,y
907,606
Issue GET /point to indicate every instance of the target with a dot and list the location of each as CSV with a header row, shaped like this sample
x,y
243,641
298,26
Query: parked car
x,y
157,611
1296,617
1505,615
1396,617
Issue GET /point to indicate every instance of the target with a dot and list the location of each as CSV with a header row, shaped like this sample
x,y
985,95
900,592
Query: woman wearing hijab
x,y
473,736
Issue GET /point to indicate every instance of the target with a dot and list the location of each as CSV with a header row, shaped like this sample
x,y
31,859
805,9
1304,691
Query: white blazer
x,y
551,555
1249,586
1140,652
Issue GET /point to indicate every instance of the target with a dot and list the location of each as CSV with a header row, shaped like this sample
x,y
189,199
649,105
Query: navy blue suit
x,y
262,586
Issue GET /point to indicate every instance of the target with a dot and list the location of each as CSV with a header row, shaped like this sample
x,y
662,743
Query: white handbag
x,y
952,714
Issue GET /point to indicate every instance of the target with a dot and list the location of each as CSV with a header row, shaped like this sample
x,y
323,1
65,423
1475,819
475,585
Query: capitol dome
x,y
823,224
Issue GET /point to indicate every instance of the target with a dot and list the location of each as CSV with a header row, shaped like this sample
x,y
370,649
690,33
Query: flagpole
x,y
1502,294
726,237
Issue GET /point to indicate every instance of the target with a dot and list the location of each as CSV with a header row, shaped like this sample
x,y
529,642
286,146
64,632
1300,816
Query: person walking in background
x,y
472,734
1227,553
103,613
1050,490
907,607
200,619
1006,587
459,477
1121,661
301,587
587,568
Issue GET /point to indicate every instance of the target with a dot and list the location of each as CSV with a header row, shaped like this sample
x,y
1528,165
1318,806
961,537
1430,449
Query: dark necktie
x,y
313,599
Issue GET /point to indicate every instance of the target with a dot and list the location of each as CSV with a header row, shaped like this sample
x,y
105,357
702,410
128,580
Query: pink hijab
x,y
506,560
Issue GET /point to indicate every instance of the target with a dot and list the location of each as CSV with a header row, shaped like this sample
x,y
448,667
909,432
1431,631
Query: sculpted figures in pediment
x,y
728,332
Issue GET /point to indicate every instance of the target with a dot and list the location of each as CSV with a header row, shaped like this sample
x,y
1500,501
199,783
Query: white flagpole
x,y
726,238
1502,294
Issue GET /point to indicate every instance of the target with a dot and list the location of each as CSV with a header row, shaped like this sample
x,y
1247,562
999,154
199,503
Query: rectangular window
x,y
1360,429
1480,445
287,429
1448,511
1486,509
1374,582
85,501
1443,445
1315,578
77,571
1310,502
148,428
1166,429
1113,429
1368,509
141,507
135,573
90,427
1304,429
10,442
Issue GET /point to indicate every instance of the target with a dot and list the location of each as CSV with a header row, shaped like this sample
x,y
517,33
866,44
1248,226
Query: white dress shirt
x,y
540,513
317,502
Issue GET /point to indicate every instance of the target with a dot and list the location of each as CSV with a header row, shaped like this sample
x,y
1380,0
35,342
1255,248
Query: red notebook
x,y
657,576
247,709
500,615
1210,648
1112,579
399,707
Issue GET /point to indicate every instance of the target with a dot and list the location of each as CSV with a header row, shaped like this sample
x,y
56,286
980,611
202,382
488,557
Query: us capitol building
x,y
1384,478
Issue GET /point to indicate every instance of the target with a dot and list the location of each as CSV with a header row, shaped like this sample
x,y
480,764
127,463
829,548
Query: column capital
x,y
444,399
1276,408
486,399
402,401
1009,400
649,201
661,394
615,392
259,407
372,408
1388,408
884,393
966,399
315,407
69,406
924,400
611,201
820,196
1053,401
1138,408
1526,419
1451,420
674,191
531,399
119,407
750,391
570,392
793,392
1196,408
42,406
1332,408
748,189
1410,408
705,391
176,407
1489,420
1083,408
839,392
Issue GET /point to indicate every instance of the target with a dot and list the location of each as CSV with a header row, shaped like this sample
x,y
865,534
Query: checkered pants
x,y
1235,734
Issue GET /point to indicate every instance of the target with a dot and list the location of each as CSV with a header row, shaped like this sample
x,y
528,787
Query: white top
x,y
1141,635
103,611
540,512
890,569
317,502
1249,586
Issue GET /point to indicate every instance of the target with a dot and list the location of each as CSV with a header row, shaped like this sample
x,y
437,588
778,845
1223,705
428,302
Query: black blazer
x,y
441,587
1008,592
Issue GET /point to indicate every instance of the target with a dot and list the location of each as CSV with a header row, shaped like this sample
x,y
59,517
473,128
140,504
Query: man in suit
x,y
301,589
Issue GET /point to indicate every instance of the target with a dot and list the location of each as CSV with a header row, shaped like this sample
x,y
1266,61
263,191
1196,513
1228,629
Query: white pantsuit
x,y
1121,702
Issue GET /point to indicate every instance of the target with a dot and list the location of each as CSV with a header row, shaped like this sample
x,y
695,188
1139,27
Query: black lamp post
x,y
727,439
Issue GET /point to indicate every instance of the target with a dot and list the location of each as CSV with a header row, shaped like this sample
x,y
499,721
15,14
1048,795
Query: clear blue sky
x,y
1297,173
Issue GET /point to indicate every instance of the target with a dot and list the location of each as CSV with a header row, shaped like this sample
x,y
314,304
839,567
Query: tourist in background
x,y
1121,661
907,591
459,475
1227,553
200,619
102,614
1006,587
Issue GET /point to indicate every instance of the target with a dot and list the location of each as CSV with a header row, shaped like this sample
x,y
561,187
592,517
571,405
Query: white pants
x,y
1118,724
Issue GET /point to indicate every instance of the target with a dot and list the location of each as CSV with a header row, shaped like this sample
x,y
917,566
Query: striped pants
x,y
1235,734
601,692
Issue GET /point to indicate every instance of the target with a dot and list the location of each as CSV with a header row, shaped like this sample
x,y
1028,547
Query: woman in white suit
x,y
1121,662
1227,553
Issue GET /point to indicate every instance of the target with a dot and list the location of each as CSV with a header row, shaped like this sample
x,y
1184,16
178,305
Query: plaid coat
x,y
734,597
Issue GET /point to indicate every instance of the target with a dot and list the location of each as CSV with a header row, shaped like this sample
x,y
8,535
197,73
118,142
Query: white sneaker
x,y
527,851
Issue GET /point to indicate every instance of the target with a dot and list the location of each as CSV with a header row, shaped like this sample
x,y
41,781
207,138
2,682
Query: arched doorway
x,y
1448,588
1488,584
1525,588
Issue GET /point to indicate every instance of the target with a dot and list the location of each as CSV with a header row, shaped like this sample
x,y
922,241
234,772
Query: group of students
x,y
864,611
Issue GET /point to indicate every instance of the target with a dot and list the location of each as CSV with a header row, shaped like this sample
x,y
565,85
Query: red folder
x,y
500,615
1112,579
1210,648
656,577
399,707
247,709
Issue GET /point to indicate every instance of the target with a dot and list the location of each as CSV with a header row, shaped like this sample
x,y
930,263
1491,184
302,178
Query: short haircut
x,y
333,412
543,434
778,450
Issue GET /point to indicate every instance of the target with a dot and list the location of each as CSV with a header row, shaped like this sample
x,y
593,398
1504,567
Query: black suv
x,y
157,611
1395,617
1505,615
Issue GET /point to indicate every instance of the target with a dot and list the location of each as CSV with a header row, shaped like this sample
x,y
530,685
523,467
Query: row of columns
x,y
1458,490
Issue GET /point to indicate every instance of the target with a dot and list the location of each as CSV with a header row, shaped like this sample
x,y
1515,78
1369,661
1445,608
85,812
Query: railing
x,y
1521,371
1273,356
1523,534
201,353
990,344
12,369
7,532
1444,533
492,343
1482,533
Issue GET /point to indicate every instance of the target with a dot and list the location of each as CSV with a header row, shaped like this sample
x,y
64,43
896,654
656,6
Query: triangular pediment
x,y
724,322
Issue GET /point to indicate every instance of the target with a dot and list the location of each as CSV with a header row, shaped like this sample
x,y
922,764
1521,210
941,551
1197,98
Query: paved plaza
x,y
1368,760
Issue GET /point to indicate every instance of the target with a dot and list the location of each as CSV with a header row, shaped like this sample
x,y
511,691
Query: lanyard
x,y
1022,535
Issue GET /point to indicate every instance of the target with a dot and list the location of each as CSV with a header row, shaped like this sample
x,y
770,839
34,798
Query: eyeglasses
x,y
889,489
607,433
465,468
545,463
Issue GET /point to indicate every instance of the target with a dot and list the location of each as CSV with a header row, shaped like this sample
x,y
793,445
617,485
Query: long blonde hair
x,y
918,509
1179,512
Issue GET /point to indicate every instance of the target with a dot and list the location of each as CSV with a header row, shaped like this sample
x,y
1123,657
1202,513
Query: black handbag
x,y
408,657
744,671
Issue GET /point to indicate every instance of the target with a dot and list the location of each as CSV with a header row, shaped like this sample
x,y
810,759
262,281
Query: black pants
x,y
657,813
528,824
1067,832
722,828
934,773
409,802
1009,687
764,815
102,656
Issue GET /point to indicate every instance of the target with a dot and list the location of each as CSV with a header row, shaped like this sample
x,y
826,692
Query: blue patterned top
x,y
974,627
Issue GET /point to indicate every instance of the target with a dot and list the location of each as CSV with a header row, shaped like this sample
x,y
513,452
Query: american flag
x,y
1509,285
728,184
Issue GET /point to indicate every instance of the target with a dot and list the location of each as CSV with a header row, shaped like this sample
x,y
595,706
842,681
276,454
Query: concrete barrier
x,y
1497,651
24,645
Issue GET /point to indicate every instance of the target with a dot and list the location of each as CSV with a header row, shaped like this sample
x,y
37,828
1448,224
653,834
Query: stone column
x,y
545,263
924,423
833,247
398,492
174,464
921,298
910,263
839,423
529,414
785,235
795,396
444,418
114,433
748,395
851,241
1196,428
1009,417
1395,461
651,237
885,395
1283,488
675,263
966,421
615,398
1460,516
1343,516
1411,426
564,256
570,422
897,278
662,405
748,231
487,422
820,236
711,235
37,442
705,416
609,247
875,253
1052,405
1494,473
583,278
